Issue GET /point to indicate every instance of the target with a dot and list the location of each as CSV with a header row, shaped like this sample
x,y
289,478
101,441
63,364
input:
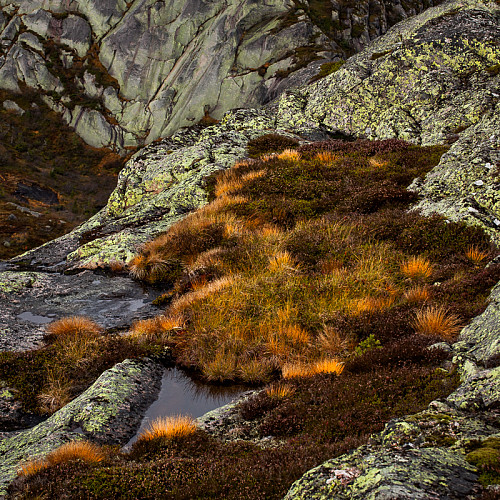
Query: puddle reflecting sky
x,y
181,395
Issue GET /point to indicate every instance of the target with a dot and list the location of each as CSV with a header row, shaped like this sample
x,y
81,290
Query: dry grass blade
x,y
437,321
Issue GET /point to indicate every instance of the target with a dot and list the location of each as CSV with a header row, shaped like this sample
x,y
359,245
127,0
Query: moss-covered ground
x,y
306,273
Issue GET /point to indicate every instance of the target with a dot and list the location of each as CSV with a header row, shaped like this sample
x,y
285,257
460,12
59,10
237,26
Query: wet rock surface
x,y
30,300
109,412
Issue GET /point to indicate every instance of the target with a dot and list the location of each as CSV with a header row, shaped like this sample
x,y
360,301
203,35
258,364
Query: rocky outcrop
x,y
124,74
109,412
429,80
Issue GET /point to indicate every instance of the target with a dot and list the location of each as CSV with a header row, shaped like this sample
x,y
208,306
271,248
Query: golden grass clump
x,y
296,370
289,155
221,367
281,261
475,255
328,366
437,321
280,391
326,157
74,450
156,329
417,294
371,305
332,342
256,371
417,268
295,334
172,427
74,326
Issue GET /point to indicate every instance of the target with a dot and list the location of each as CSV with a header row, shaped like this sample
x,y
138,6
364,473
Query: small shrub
x,y
368,344
438,322
173,427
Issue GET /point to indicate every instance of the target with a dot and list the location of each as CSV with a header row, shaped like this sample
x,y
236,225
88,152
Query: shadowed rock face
x,y
124,74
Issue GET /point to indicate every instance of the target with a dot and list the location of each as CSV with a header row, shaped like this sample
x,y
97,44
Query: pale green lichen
x,y
14,282
97,414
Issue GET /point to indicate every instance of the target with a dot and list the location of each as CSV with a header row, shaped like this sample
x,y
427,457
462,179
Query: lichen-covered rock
x,y
107,413
430,473
171,62
158,186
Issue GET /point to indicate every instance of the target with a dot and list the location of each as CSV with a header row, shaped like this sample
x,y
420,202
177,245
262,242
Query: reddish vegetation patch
x,y
46,168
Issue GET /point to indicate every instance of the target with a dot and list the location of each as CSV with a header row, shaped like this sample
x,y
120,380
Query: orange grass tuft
x,y
475,255
328,366
280,391
293,370
32,467
437,321
289,155
326,157
74,450
172,427
371,304
417,294
74,326
417,268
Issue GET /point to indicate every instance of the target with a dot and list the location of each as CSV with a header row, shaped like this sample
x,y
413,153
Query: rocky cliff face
x,y
126,73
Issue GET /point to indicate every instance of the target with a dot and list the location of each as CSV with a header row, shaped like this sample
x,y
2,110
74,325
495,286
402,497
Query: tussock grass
x,y
285,266
280,391
172,427
417,268
74,450
417,294
476,255
73,326
437,321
